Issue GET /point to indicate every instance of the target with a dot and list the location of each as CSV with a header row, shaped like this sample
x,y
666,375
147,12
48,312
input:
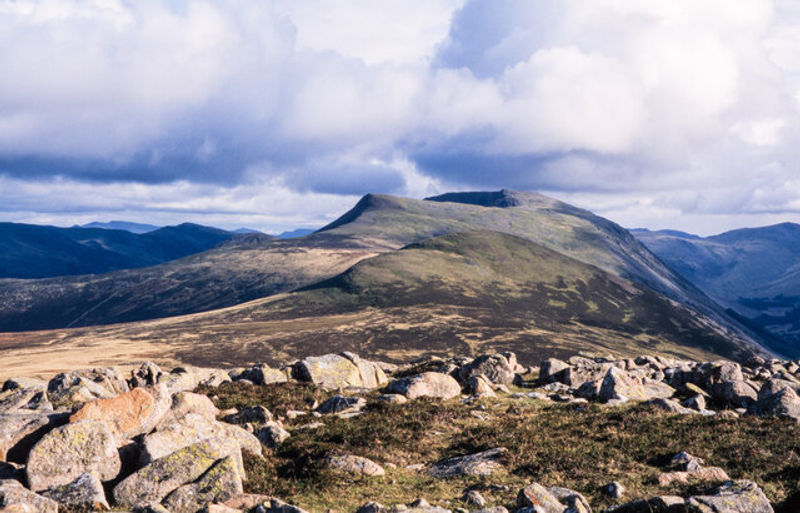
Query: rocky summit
x,y
341,433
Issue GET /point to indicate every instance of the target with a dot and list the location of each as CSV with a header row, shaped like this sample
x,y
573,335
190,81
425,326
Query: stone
x,y
732,497
82,386
497,368
164,475
685,461
662,504
218,508
130,414
15,497
355,465
257,415
246,501
670,406
272,435
704,475
538,497
332,371
697,402
777,399
84,493
549,368
474,498
20,431
483,463
184,403
737,394
427,384
622,385
392,398
342,404
278,506
181,379
150,508
572,500
371,507
16,398
263,374
479,386
147,375
221,482
614,489
68,451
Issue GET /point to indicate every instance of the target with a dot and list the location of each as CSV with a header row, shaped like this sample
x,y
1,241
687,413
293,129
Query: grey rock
x,y
12,493
355,465
20,431
497,368
85,492
257,415
479,464
272,435
344,370
778,399
427,384
147,375
263,375
474,498
536,496
614,489
68,451
732,497
221,482
341,404
550,367
620,384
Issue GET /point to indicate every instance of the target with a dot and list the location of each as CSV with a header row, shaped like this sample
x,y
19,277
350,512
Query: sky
x,y
278,114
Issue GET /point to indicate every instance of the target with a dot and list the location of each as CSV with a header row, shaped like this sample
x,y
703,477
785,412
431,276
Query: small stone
x,y
342,404
474,498
614,489
355,465
257,415
272,435
392,398
479,464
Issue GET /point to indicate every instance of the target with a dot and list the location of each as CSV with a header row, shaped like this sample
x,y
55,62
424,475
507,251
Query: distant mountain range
x,y
33,251
121,225
755,272
500,269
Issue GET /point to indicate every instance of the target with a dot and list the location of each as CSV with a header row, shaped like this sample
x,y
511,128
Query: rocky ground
x,y
339,433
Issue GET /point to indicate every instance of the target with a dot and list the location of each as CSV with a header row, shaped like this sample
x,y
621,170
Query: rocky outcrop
x,y
624,386
427,384
20,431
483,463
358,465
219,483
497,368
731,497
84,493
333,371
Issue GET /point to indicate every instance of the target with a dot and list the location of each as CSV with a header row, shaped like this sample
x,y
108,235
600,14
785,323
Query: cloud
x,y
688,107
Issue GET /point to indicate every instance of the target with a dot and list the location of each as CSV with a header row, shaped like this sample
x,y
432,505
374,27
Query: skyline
x,y
276,115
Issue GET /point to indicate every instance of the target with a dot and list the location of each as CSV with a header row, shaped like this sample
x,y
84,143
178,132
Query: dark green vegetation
x,y
755,272
581,448
255,267
31,251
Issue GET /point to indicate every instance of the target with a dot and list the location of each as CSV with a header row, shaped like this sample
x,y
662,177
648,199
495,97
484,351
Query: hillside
x,y
461,293
252,268
33,251
755,272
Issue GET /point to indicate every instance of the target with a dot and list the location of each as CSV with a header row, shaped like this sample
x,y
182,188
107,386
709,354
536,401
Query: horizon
x,y
279,114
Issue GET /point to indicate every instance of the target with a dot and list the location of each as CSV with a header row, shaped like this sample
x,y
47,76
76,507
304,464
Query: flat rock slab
x,y
344,370
68,451
132,413
540,499
479,464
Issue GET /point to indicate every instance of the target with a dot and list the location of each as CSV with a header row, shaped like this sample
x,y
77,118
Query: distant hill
x,y
242,271
121,225
33,251
300,232
753,271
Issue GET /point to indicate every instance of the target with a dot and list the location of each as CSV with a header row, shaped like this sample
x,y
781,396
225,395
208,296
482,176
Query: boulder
x,y
497,368
133,413
704,475
622,385
257,415
427,384
732,497
342,404
15,497
68,451
662,504
483,463
358,465
278,506
670,406
344,370
777,399
272,435
540,499
479,386
572,500
737,394
20,431
165,475
184,403
85,493
24,396
147,375
550,367
82,386
221,482
263,374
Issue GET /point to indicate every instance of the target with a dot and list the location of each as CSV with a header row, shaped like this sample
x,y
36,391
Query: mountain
x,y
241,271
457,294
300,232
33,251
121,225
755,272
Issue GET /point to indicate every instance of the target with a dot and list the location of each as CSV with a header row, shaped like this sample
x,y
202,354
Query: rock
x,y
371,507
422,506
181,379
479,464
779,400
257,415
663,504
697,402
32,397
184,403
68,451
392,398
263,375
355,465
705,475
550,367
732,497
685,461
246,501
221,482
84,493
219,508
342,404
574,502
20,431
614,489
15,497
164,475
150,508
272,435
497,368
130,414
278,506
84,386
145,376
536,496
737,394
619,384
427,384
479,386
474,498
344,370
670,405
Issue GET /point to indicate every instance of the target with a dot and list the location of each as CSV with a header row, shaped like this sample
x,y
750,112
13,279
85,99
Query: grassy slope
x,y
555,445
463,293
